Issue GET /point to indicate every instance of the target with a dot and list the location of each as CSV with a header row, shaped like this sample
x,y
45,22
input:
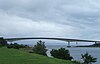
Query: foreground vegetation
x,y
16,53
14,56
62,53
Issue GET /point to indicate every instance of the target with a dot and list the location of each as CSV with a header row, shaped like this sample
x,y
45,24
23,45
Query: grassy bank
x,y
13,56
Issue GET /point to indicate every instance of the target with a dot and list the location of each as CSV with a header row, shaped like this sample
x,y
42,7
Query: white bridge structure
x,y
51,38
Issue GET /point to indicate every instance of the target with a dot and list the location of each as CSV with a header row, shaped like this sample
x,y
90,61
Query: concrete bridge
x,y
49,38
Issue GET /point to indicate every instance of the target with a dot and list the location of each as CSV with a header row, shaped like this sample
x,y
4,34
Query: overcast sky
x,y
50,18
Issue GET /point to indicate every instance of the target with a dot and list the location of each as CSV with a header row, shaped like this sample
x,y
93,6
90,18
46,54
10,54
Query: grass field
x,y
13,56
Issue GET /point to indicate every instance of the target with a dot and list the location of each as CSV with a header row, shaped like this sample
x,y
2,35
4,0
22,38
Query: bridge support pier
x,y
68,44
95,42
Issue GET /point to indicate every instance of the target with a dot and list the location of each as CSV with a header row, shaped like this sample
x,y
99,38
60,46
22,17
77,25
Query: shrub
x,y
61,53
21,46
3,42
31,52
40,48
88,59
16,46
10,46
1,45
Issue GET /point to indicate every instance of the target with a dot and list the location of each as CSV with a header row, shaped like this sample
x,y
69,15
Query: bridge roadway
x,y
49,38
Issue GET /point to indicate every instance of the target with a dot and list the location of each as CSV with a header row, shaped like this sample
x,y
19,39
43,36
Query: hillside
x,y
93,45
13,56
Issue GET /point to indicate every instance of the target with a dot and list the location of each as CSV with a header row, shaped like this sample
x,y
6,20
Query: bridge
x,y
49,38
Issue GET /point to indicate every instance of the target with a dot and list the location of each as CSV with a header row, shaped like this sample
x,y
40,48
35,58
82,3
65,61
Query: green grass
x,y
13,56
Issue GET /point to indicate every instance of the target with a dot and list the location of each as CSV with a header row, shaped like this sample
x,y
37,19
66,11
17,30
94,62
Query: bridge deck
x,y
62,39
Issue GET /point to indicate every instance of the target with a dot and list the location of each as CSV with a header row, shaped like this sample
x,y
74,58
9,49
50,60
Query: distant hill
x,y
94,45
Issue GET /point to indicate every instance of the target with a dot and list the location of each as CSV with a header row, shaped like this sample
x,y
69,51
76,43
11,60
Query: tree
x,y
3,42
61,53
40,48
88,59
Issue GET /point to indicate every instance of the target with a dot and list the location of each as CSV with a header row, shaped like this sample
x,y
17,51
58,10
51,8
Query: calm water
x,y
76,52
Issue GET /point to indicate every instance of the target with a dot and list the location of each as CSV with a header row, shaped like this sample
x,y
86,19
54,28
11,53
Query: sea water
x,y
77,51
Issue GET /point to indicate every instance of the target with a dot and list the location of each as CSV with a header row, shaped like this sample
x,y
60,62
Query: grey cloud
x,y
66,18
